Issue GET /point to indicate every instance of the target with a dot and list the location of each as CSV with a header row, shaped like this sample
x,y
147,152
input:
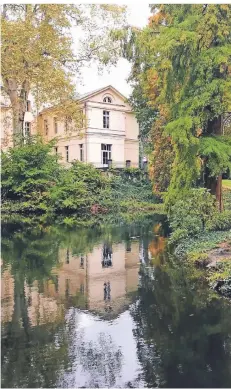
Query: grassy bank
x,y
210,247
226,184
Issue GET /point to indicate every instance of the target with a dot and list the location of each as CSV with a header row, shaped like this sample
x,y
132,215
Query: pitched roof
x,y
92,93
84,96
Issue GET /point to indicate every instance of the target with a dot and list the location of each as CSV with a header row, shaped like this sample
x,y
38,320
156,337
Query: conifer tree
x,y
188,52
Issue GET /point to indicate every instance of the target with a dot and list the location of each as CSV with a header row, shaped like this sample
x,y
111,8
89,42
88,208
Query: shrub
x,y
199,259
78,188
28,172
227,199
205,241
88,174
191,213
34,181
219,221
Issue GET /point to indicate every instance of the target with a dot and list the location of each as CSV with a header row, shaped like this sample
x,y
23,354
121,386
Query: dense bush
x,y
78,188
227,199
194,216
206,241
126,187
219,221
189,215
28,173
34,181
197,226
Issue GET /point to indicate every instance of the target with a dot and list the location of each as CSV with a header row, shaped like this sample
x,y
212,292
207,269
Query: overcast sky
x,y
117,76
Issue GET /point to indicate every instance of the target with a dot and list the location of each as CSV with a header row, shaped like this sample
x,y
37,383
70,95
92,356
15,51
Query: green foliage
x,y
219,221
161,159
222,270
189,215
182,62
227,199
217,152
226,184
145,114
196,224
28,172
78,188
204,242
38,55
131,185
34,181
199,259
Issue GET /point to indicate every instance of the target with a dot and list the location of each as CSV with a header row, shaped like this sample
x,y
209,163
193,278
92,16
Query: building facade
x,y
100,281
29,125
110,134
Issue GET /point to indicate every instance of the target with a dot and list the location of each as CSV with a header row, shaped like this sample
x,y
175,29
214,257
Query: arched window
x,y
107,99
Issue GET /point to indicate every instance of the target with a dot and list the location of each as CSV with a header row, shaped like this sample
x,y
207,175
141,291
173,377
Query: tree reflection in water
x,y
183,331
32,352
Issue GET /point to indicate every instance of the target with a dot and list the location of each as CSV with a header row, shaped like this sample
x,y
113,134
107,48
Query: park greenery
x,y
179,210
33,181
181,78
38,55
181,65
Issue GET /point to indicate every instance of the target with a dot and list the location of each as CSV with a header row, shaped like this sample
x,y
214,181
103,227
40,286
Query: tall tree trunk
x,y
214,183
18,104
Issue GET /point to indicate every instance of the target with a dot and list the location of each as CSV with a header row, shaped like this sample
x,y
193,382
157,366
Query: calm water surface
x,y
107,308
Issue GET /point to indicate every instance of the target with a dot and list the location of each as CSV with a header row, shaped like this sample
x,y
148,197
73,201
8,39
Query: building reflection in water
x,y
107,255
100,281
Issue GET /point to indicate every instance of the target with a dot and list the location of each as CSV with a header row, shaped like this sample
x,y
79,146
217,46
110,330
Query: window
x,y
56,282
27,128
81,153
55,125
56,150
107,290
105,119
67,288
46,127
107,99
28,106
68,256
128,246
107,255
67,153
105,153
82,262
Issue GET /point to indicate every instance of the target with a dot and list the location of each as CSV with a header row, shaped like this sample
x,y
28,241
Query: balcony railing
x,y
115,164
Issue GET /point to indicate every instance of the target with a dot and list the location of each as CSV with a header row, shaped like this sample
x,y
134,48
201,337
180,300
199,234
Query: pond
x,y
108,307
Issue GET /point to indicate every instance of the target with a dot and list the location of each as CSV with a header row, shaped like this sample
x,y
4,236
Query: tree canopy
x,y
40,56
185,73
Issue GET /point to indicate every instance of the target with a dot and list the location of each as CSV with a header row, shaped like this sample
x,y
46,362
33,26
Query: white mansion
x,y
110,135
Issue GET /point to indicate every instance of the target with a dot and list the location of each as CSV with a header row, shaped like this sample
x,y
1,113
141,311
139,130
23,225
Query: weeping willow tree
x,y
186,74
